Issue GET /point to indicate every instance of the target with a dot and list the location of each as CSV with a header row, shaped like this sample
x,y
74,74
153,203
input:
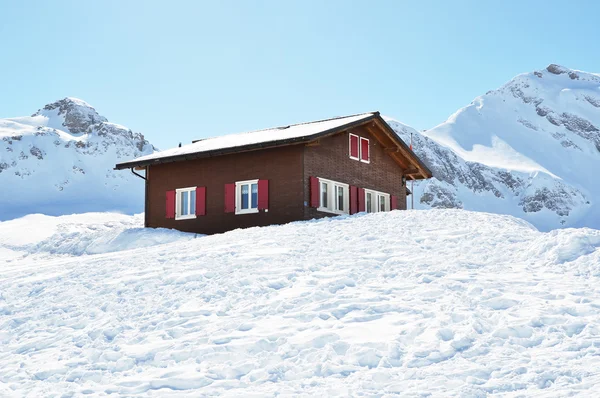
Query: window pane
x,y
369,202
324,195
381,203
340,198
354,146
364,149
193,202
244,191
184,203
254,196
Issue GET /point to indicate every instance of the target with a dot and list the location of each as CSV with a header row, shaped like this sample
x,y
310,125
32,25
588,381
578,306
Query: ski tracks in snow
x,y
414,302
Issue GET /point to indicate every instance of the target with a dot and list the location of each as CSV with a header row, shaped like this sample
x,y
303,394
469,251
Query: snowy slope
x,y
78,234
443,302
530,149
60,161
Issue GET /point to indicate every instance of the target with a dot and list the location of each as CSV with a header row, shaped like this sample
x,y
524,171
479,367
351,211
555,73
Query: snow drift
x,y
445,302
79,234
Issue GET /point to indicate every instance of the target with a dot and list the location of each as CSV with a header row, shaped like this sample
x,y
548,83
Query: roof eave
x,y
245,148
424,171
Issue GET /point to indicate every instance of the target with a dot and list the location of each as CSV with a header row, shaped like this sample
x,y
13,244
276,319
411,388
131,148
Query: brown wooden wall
x,y
281,166
330,160
288,170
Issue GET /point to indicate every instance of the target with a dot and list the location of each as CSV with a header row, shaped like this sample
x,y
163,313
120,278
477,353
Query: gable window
x,y
376,201
185,203
354,151
359,148
364,150
334,197
246,197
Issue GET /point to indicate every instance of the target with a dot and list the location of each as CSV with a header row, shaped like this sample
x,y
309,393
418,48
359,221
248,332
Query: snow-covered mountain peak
x,y
530,148
554,78
573,74
60,160
71,113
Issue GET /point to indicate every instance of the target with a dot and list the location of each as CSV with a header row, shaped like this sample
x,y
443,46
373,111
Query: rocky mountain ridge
x,y
529,149
60,160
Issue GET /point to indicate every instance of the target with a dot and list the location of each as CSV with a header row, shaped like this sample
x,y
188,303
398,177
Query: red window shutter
x,y
263,194
201,201
353,146
364,150
170,205
393,202
361,199
353,200
314,192
229,198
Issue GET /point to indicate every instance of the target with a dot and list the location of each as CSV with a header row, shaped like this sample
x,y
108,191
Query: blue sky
x,y
182,70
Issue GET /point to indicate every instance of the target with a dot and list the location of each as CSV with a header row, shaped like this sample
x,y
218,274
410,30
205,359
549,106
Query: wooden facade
x,y
286,172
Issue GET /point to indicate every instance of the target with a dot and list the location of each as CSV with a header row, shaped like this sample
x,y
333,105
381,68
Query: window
x,y
381,202
369,201
364,150
324,195
246,197
359,148
334,197
376,201
185,203
340,198
354,151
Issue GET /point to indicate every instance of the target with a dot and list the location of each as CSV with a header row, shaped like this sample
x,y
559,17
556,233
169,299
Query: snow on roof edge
x,y
290,125
289,132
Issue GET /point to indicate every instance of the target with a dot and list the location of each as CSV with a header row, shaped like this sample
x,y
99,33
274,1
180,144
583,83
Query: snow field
x,y
411,303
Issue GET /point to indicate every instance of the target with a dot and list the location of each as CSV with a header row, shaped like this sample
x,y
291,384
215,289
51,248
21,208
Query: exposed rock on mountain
x,y
60,160
529,149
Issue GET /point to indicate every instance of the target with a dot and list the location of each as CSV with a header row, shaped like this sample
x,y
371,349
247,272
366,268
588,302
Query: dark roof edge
x,y
249,147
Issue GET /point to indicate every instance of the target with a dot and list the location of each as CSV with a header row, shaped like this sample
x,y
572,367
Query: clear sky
x,y
177,70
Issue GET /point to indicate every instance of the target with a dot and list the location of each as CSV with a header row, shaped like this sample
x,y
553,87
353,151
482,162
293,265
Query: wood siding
x,y
281,166
287,170
330,159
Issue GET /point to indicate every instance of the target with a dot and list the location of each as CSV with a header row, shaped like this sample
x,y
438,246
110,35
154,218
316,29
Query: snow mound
x,y
439,302
78,234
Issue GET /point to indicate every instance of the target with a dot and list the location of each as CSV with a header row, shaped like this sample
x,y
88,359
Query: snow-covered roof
x,y
254,139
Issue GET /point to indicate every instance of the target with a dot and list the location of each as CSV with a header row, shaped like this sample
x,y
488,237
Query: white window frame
x,y
192,212
360,149
350,146
332,196
238,197
360,140
376,196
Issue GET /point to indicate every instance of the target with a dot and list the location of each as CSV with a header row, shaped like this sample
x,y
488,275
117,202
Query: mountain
x,y
530,149
60,161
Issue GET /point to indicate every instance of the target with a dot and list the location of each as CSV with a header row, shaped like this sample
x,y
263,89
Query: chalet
x,y
325,168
